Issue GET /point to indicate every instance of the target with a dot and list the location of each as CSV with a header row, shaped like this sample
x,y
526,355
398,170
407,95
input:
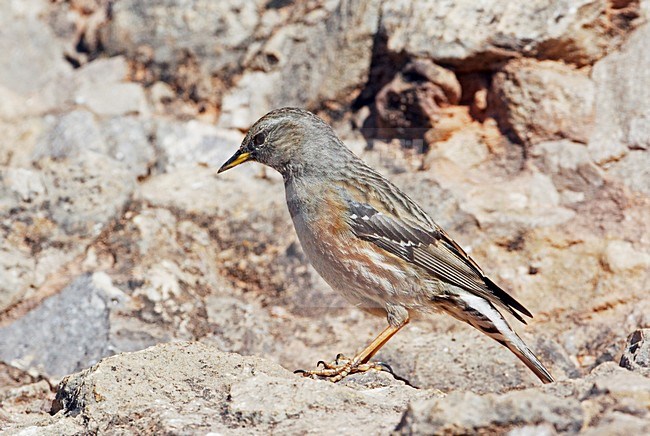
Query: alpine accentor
x,y
371,242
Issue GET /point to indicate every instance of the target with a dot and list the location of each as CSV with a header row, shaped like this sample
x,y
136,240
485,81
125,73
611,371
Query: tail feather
x,y
482,315
508,301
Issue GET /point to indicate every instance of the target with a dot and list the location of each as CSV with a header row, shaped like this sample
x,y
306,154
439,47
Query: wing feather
x,y
433,250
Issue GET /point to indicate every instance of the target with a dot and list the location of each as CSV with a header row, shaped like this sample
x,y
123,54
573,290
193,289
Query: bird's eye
x,y
259,139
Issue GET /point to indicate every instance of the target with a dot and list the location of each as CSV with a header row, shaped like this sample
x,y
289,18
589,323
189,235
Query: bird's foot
x,y
341,367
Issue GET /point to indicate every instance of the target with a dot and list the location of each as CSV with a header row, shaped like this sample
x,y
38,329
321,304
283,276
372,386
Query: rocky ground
x,y
140,293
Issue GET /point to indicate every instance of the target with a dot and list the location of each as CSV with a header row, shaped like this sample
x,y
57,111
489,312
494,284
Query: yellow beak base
x,y
238,158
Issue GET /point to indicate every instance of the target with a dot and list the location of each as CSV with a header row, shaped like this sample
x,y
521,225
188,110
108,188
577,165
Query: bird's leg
x,y
342,366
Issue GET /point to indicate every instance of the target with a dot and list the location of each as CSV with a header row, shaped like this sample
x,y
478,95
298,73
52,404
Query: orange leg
x,y
342,367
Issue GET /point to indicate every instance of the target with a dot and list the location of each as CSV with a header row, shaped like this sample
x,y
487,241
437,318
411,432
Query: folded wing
x,y
431,249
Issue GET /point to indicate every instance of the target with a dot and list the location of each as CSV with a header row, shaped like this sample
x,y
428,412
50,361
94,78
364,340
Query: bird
x,y
372,243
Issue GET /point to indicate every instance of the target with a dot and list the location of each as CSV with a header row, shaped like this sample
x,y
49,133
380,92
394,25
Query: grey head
x,y
293,142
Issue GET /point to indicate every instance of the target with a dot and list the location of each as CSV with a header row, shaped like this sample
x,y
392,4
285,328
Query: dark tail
x,y
507,301
482,315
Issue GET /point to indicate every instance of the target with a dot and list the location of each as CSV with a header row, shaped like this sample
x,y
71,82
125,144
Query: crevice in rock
x,y
384,66
475,87
61,278
74,62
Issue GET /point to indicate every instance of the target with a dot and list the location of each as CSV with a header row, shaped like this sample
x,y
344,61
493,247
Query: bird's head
x,y
288,140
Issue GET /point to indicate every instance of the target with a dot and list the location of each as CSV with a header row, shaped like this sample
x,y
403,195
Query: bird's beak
x,y
236,159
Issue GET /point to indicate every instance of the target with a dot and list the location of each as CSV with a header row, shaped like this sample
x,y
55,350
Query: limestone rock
x,y
222,393
169,36
113,222
636,356
466,147
529,200
477,36
21,404
86,215
103,89
25,68
633,169
565,406
84,173
314,64
622,118
251,97
183,145
40,340
491,413
542,101
411,103
569,165
621,256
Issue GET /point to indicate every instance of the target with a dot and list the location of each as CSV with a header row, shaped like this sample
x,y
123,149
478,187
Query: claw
x,y
341,368
385,367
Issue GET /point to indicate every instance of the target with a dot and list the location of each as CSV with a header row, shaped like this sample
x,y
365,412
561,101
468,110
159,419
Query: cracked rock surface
x,y
141,293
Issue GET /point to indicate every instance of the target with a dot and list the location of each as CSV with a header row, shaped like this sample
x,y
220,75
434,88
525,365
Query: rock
x,y
472,36
106,159
100,129
470,361
629,391
24,69
312,64
28,73
184,145
123,139
19,141
622,117
465,413
621,256
343,59
250,98
21,404
161,92
25,185
40,340
636,356
101,86
12,377
528,200
167,274
103,71
16,272
376,380
111,213
126,140
569,165
633,170
221,392
543,101
168,36
466,147
106,184
44,425
240,219
76,24
69,135
110,99
273,45
237,327
52,211
565,406
409,105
